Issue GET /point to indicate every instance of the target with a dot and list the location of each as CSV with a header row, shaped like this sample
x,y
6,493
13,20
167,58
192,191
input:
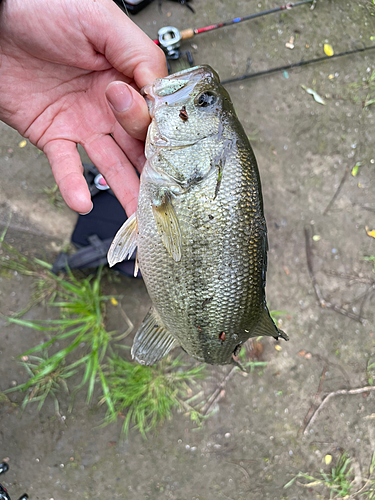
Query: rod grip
x,y
185,34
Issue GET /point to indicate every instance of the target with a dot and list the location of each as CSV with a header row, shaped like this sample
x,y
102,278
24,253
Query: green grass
x,y
81,328
338,481
44,385
147,395
78,344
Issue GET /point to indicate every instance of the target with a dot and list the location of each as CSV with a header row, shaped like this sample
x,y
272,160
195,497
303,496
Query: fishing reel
x,y
4,495
169,39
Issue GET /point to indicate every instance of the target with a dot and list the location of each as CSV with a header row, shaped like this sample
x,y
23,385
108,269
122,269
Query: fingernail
x,y
119,97
92,206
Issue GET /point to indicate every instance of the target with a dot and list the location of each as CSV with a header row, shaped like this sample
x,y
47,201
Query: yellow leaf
x,y
328,459
114,301
316,237
328,50
370,232
278,347
22,144
356,168
331,77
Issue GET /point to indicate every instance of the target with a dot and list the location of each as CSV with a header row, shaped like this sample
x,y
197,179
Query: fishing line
x,y
294,65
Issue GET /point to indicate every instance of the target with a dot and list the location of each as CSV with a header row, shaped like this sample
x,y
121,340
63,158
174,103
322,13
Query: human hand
x,y
57,61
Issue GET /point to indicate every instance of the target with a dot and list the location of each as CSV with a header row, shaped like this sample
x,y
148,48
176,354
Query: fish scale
x,y
200,228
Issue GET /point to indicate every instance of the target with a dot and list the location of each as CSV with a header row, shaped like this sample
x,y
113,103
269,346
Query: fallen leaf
x,y
286,270
315,95
331,77
255,349
370,232
114,301
278,347
301,353
317,237
22,144
355,169
328,50
328,459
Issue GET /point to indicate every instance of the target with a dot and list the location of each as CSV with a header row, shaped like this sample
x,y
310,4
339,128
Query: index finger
x,y
125,45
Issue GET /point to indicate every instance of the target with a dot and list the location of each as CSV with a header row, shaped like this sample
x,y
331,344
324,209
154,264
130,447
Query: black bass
x,y
199,229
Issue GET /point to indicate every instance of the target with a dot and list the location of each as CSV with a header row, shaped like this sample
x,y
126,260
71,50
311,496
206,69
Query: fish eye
x,y
206,99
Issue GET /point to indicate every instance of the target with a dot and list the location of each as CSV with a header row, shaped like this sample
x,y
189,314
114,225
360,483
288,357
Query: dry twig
x,y
337,190
217,394
327,397
315,403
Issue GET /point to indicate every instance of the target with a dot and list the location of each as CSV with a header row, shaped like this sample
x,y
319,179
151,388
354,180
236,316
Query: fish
x,y
199,230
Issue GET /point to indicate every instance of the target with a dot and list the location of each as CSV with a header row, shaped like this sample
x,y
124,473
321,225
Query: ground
x,y
254,444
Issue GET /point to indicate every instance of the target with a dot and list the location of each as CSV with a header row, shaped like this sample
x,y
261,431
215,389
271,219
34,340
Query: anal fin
x,y
267,327
124,243
168,227
152,341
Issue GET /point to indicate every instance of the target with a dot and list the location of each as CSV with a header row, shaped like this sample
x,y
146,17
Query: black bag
x,y
94,232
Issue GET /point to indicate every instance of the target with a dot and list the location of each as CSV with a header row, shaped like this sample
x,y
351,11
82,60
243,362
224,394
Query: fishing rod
x,y
247,76
170,37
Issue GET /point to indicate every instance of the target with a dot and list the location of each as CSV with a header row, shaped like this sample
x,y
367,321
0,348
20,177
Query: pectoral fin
x,y
124,243
168,227
266,326
152,341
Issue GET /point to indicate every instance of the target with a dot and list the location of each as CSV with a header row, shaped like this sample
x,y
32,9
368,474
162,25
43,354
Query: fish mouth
x,y
177,88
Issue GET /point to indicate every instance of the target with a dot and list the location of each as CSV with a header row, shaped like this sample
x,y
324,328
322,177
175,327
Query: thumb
x,y
129,108
128,49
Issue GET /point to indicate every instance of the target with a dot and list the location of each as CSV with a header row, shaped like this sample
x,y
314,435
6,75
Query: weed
x,y
339,481
249,364
54,196
370,371
371,258
364,91
146,395
82,309
45,385
45,286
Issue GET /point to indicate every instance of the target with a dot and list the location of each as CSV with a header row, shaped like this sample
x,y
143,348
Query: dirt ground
x,y
253,445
